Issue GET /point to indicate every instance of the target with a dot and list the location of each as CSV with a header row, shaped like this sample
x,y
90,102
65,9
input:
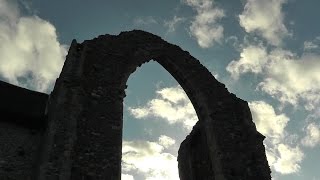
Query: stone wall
x,y
86,108
22,123
80,135
18,151
243,159
194,161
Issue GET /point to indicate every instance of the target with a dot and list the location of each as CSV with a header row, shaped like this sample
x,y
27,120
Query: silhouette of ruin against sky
x,y
82,136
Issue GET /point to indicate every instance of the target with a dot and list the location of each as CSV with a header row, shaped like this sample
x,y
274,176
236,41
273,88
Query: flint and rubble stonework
x,y
21,127
83,137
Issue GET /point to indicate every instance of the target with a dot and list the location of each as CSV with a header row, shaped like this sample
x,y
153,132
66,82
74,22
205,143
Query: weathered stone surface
x,y
194,160
83,135
88,98
22,123
239,151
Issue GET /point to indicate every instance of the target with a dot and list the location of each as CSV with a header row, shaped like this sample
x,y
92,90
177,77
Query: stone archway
x,y
84,135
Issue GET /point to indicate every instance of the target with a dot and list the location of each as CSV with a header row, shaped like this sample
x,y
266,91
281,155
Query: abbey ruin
x,y
75,133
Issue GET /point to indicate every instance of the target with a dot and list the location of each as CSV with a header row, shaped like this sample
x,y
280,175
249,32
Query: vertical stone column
x,y
84,136
65,106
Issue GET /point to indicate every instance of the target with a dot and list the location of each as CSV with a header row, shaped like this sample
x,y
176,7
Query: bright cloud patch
x,y
267,121
173,23
286,77
30,54
312,137
252,59
172,105
166,141
289,159
281,156
126,177
148,159
205,27
265,18
299,81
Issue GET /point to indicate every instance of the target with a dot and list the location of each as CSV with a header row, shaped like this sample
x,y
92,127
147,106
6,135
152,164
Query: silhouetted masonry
x,y
22,123
82,136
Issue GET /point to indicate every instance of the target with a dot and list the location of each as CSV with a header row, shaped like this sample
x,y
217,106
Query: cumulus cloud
x,y
265,18
285,76
166,141
299,81
30,54
173,23
267,121
282,157
205,27
149,160
252,59
312,137
171,104
289,159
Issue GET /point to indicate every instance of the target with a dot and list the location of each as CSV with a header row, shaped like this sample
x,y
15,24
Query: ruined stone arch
x,y
84,135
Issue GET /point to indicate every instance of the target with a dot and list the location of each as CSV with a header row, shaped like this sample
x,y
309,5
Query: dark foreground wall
x,y
22,106
22,123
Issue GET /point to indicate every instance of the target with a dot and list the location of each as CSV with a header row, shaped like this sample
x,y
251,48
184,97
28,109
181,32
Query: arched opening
x,y
85,114
157,117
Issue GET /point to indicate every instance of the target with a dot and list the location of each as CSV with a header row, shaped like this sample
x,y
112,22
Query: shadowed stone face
x,y
83,138
21,124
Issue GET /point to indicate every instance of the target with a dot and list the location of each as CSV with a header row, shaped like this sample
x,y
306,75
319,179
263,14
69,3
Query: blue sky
x,y
266,52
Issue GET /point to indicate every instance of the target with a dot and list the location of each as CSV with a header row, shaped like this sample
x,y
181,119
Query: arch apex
x,y
85,114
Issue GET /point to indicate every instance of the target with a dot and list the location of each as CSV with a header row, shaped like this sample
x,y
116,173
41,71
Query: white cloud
x,y
172,24
309,45
166,141
138,112
265,18
148,159
267,121
285,76
312,45
126,177
173,94
233,41
281,156
290,159
292,79
312,137
205,27
143,21
252,59
172,105
30,54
